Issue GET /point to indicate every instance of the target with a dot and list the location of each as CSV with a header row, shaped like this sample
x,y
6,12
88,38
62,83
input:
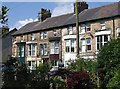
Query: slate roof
x,y
68,19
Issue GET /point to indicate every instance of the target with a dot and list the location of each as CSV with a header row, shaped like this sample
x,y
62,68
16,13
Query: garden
x,y
101,73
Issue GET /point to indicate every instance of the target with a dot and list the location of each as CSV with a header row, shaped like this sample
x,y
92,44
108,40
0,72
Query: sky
x,y
21,13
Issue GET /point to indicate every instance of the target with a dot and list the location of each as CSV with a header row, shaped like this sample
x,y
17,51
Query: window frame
x,y
70,30
82,28
102,25
32,36
41,35
30,49
88,44
54,32
45,49
45,35
53,47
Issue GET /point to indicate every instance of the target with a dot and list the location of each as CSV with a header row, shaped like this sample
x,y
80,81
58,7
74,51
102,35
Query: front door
x,y
21,53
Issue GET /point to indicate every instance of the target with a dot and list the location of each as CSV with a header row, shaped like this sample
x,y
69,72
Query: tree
x,y
108,66
4,11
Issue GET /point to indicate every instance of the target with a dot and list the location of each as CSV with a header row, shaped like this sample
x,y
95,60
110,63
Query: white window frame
x,y
102,24
32,36
102,42
83,46
51,47
70,30
41,35
88,44
118,32
45,35
54,48
30,49
69,46
45,49
82,28
22,51
54,32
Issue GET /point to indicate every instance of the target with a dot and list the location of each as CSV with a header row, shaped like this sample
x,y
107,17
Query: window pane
x,y
83,42
89,41
88,47
45,35
82,28
41,49
45,49
32,36
22,51
54,32
70,30
100,38
51,47
41,35
83,48
33,49
105,38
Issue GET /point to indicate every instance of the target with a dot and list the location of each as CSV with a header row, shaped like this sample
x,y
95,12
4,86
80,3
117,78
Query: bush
x,y
79,80
108,60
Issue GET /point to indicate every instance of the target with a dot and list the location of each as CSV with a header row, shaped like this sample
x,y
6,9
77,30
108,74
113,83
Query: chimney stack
x,y
43,14
82,5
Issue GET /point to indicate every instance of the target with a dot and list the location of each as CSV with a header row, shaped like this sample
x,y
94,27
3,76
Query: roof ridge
x,y
104,5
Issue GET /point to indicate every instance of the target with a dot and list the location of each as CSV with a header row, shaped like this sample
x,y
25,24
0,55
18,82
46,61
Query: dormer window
x,y
82,28
41,35
55,33
102,24
70,30
88,27
32,36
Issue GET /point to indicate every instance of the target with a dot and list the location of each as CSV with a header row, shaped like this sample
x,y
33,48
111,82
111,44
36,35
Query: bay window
x,y
102,40
31,50
70,30
69,45
54,47
45,49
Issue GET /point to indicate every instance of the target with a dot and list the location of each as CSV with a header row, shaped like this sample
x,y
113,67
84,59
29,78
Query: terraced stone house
x,y
54,38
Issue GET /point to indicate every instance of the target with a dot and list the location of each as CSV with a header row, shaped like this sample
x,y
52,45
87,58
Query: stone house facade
x,y
54,38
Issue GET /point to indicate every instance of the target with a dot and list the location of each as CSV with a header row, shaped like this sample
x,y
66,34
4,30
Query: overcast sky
x,y
21,13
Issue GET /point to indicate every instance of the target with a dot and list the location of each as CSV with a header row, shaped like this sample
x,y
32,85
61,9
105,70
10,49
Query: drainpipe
x,y
113,28
77,27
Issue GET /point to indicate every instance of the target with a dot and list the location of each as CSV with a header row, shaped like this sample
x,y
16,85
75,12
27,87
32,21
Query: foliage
x,y
4,11
78,80
40,78
14,75
108,66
